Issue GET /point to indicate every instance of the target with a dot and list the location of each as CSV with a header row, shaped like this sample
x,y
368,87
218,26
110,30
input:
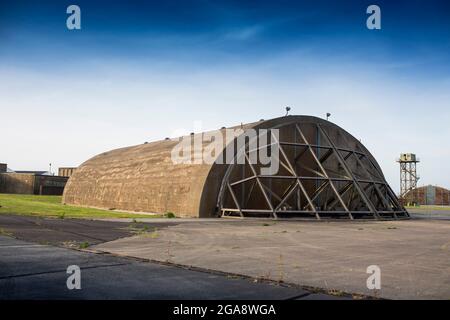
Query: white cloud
x,y
66,117
244,33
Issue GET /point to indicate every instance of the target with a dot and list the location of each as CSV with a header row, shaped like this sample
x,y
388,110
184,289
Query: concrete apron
x,y
413,255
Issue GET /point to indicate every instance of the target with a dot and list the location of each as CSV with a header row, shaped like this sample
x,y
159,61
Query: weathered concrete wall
x,y
143,177
442,196
429,195
66,171
139,178
17,183
21,183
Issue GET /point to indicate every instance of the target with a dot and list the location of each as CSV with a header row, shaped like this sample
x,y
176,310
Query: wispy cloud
x,y
123,82
244,33
67,117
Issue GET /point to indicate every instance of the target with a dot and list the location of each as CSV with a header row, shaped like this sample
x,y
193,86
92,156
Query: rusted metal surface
x,y
429,195
325,173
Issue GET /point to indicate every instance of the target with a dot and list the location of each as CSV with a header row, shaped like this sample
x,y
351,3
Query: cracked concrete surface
x,y
413,255
32,271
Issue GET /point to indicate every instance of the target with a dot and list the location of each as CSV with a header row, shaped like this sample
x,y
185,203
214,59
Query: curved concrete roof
x,y
143,177
430,186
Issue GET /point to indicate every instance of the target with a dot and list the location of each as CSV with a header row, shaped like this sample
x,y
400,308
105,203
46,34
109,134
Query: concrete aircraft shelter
x,y
324,173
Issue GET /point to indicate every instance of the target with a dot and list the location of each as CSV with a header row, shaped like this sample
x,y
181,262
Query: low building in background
x,y
30,182
429,195
41,173
66,171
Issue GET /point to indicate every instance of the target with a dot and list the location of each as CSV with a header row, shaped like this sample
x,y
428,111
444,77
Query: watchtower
x,y
408,177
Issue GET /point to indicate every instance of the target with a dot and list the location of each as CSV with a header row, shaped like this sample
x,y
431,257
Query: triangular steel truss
x,y
319,181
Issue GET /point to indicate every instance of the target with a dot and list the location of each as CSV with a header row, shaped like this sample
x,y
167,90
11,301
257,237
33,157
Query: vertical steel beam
x,y
258,181
298,180
383,199
324,172
388,187
235,200
350,173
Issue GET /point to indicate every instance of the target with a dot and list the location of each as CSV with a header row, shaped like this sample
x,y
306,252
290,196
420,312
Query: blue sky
x,y
141,70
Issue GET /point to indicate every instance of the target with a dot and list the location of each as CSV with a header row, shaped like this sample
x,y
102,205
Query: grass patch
x,y
51,206
3,232
140,229
84,245
336,293
154,234
170,215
